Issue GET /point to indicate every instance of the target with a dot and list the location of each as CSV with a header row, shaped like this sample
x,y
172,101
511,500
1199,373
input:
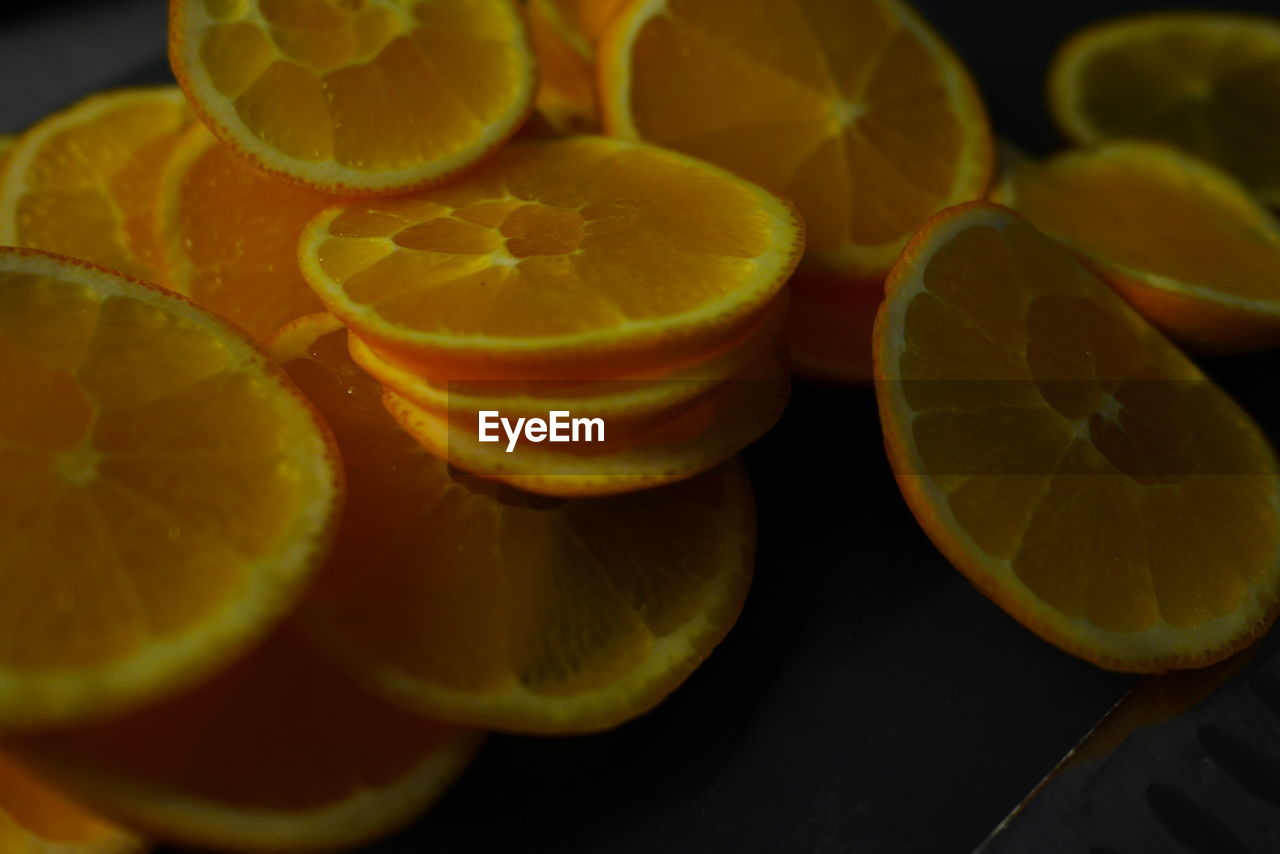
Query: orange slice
x,y
853,109
164,491
580,23
1179,239
1068,459
35,819
356,98
281,752
573,259
1208,83
7,141
231,235
83,182
567,81
474,602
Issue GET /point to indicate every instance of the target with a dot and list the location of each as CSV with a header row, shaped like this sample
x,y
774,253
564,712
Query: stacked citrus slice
x,y
1178,238
853,109
36,818
581,262
470,601
1067,458
565,34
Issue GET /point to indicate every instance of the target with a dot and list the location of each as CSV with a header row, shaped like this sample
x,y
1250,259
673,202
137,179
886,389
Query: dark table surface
x,y
868,700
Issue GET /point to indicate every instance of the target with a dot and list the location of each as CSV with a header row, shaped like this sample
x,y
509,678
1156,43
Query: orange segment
x,y
356,98
164,491
231,235
35,819
83,182
1208,83
1071,462
472,601
585,256
278,753
1176,237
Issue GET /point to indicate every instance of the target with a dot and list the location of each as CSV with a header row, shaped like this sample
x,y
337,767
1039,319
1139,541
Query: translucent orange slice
x,y
164,491
472,601
1068,459
230,235
83,182
36,819
576,259
281,752
356,98
1178,238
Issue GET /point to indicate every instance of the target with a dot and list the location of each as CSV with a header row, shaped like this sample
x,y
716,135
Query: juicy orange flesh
x,y
236,235
475,587
1209,91
550,239
42,812
367,86
91,189
238,740
837,106
133,429
1149,215
1072,440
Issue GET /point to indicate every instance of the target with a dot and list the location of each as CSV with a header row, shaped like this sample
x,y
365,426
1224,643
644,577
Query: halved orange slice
x,y
1206,82
230,235
356,98
83,182
474,602
164,491
1067,458
582,258
281,752
1179,239
36,819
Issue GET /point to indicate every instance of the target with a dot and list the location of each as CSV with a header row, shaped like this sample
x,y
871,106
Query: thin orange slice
x,y
474,602
231,234
567,81
356,98
83,182
35,819
580,23
164,491
1179,239
1208,83
1068,459
853,109
281,752
571,259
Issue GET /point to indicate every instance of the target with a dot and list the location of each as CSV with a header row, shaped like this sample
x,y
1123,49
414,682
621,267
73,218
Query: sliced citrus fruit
x,y
231,235
280,752
356,98
1178,238
576,259
567,80
579,23
853,109
1208,83
7,141
164,491
1067,458
36,819
474,602
83,182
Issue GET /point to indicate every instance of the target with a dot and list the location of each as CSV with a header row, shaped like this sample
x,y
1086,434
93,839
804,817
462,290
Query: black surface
x,y
869,700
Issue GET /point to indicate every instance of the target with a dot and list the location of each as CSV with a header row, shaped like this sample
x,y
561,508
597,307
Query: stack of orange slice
x,y
598,277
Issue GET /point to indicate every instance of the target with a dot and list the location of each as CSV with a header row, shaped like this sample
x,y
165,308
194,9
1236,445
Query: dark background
x,y
868,700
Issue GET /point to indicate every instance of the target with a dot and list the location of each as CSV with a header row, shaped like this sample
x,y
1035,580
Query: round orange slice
x,y
1069,460
582,258
35,819
1208,83
230,235
83,182
280,752
474,602
356,98
1179,239
164,491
